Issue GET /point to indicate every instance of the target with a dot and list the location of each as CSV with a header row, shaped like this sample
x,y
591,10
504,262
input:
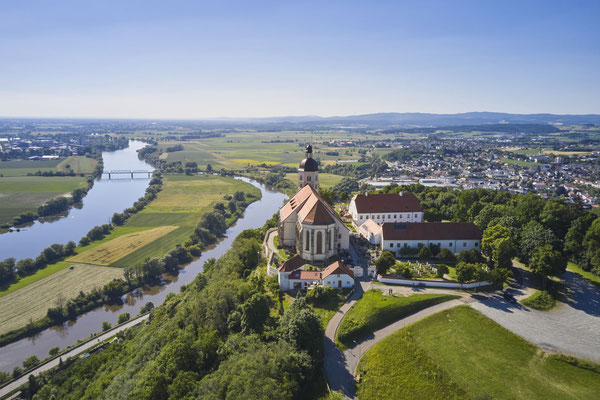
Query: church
x,y
309,223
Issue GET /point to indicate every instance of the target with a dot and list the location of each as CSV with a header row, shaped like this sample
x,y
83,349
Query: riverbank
x,y
47,190
66,334
178,207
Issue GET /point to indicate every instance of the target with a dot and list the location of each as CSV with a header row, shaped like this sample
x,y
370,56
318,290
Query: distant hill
x,y
428,120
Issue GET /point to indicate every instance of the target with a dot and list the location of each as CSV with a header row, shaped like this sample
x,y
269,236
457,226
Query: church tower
x,y
308,172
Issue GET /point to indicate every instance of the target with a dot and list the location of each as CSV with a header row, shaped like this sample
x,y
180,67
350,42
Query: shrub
x,y
123,318
446,255
425,253
106,326
441,270
540,300
320,295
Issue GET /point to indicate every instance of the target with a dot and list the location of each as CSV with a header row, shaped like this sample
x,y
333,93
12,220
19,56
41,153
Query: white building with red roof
x,y
293,275
385,207
455,236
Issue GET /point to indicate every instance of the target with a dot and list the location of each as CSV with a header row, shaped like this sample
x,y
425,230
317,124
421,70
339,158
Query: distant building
x,y
385,207
455,236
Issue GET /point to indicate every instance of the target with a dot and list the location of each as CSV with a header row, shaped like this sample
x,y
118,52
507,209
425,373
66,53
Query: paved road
x,y
572,328
76,351
338,376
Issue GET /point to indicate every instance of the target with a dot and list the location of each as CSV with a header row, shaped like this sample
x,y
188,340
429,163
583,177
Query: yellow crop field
x,y
111,251
32,301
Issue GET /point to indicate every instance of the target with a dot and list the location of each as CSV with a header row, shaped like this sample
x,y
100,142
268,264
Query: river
x,y
69,333
98,206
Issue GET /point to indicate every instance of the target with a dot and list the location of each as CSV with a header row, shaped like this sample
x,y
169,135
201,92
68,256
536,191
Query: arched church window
x,y
319,242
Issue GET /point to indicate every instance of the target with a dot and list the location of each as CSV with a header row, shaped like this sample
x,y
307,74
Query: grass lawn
x,y
540,300
375,311
461,354
26,193
518,162
595,279
31,302
327,311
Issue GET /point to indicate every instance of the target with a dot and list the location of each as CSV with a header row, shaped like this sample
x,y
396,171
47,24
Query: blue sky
x,y
205,59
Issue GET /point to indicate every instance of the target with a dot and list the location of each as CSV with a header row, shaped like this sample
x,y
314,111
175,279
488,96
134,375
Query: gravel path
x,y
74,352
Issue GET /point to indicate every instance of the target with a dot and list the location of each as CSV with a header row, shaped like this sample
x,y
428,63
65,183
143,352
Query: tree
x,y
441,270
534,236
301,327
209,168
465,272
446,254
385,262
124,318
30,362
547,262
54,351
70,248
425,253
106,326
255,312
239,196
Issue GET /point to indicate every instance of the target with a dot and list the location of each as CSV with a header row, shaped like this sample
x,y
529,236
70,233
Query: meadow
x,y
109,252
77,164
242,149
461,354
374,311
26,193
30,303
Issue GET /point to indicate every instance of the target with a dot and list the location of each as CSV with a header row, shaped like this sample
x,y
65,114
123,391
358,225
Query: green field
x,y
325,180
181,203
39,274
239,150
77,164
461,354
517,162
32,301
26,193
24,167
375,311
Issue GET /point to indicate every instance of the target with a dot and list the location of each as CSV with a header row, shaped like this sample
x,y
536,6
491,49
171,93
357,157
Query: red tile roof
x,y
292,264
298,200
386,202
317,215
337,268
430,231
305,275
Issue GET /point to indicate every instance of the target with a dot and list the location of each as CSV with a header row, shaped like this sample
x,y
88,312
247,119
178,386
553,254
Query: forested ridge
x,y
223,337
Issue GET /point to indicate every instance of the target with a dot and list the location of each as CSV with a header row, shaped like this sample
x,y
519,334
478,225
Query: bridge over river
x,y
131,173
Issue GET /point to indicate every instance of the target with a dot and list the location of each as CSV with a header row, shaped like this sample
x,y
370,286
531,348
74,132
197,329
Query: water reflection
x,y
96,208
